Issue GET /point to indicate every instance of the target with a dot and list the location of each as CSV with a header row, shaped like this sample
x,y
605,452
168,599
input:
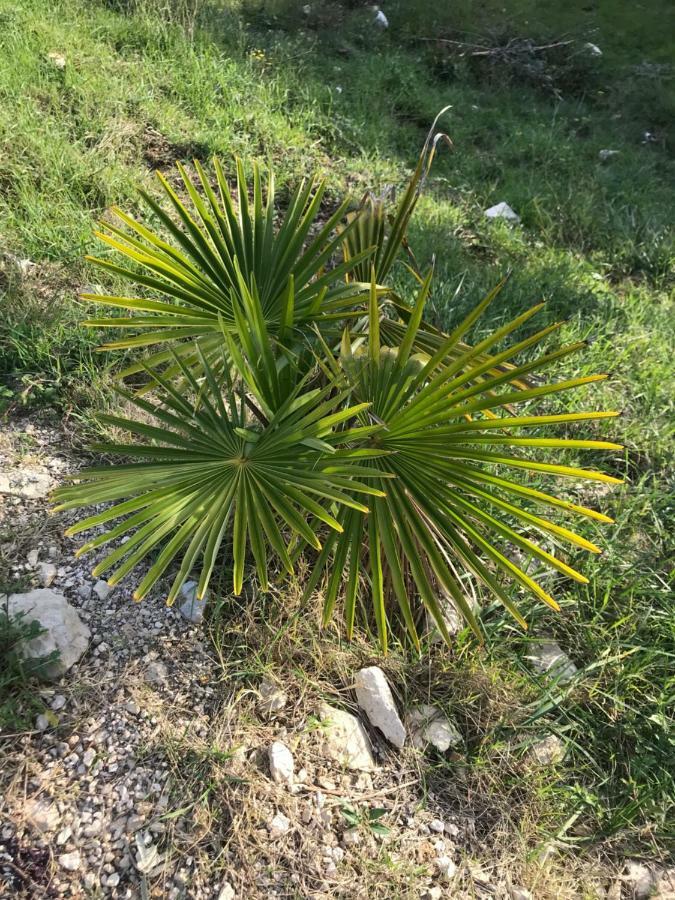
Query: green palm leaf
x,y
444,506
210,252
205,469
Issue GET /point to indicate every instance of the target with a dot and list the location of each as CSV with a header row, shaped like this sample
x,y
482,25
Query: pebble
x,y
58,702
102,590
278,826
281,763
70,861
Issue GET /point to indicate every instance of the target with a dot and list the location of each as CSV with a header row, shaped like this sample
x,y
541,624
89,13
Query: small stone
x,y
53,552
640,880
102,590
58,60
42,722
376,700
548,752
63,836
281,763
70,861
446,867
58,702
351,837
272,698
89,757
41,815
47,573
278,826
519,893
33,558
156,673
428,725
345,739
548,658
502,211
226,892
437,825
192,608
113,880
380,20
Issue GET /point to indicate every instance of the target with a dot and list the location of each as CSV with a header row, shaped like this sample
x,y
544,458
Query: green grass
x,y
327,91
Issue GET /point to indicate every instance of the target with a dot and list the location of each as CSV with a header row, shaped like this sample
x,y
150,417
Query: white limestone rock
x,y
428,725
64,631
548,658
272,698
639,879
346,740
278,826
502,211
70,861
41,815
376,700
27,483
281,762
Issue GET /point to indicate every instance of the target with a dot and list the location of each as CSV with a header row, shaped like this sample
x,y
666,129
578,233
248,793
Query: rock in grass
x,y
64,634
192,607
548,658
548,752
639,879
428,725
502,211
376,700
272,698
346,740
281,761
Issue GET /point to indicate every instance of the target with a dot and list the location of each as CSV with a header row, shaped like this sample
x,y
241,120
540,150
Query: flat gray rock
x,y
548,658
192,608
64,631
28,483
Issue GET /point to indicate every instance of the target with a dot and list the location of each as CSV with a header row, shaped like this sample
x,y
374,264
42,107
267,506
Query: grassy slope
x,y
330,92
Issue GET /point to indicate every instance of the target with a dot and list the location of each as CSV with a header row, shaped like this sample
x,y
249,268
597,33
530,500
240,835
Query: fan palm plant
x,y
295,406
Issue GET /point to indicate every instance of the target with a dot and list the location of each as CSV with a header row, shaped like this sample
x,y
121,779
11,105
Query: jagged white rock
x,y
64,631
281,761
428,725
376,700
502,211
346,740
